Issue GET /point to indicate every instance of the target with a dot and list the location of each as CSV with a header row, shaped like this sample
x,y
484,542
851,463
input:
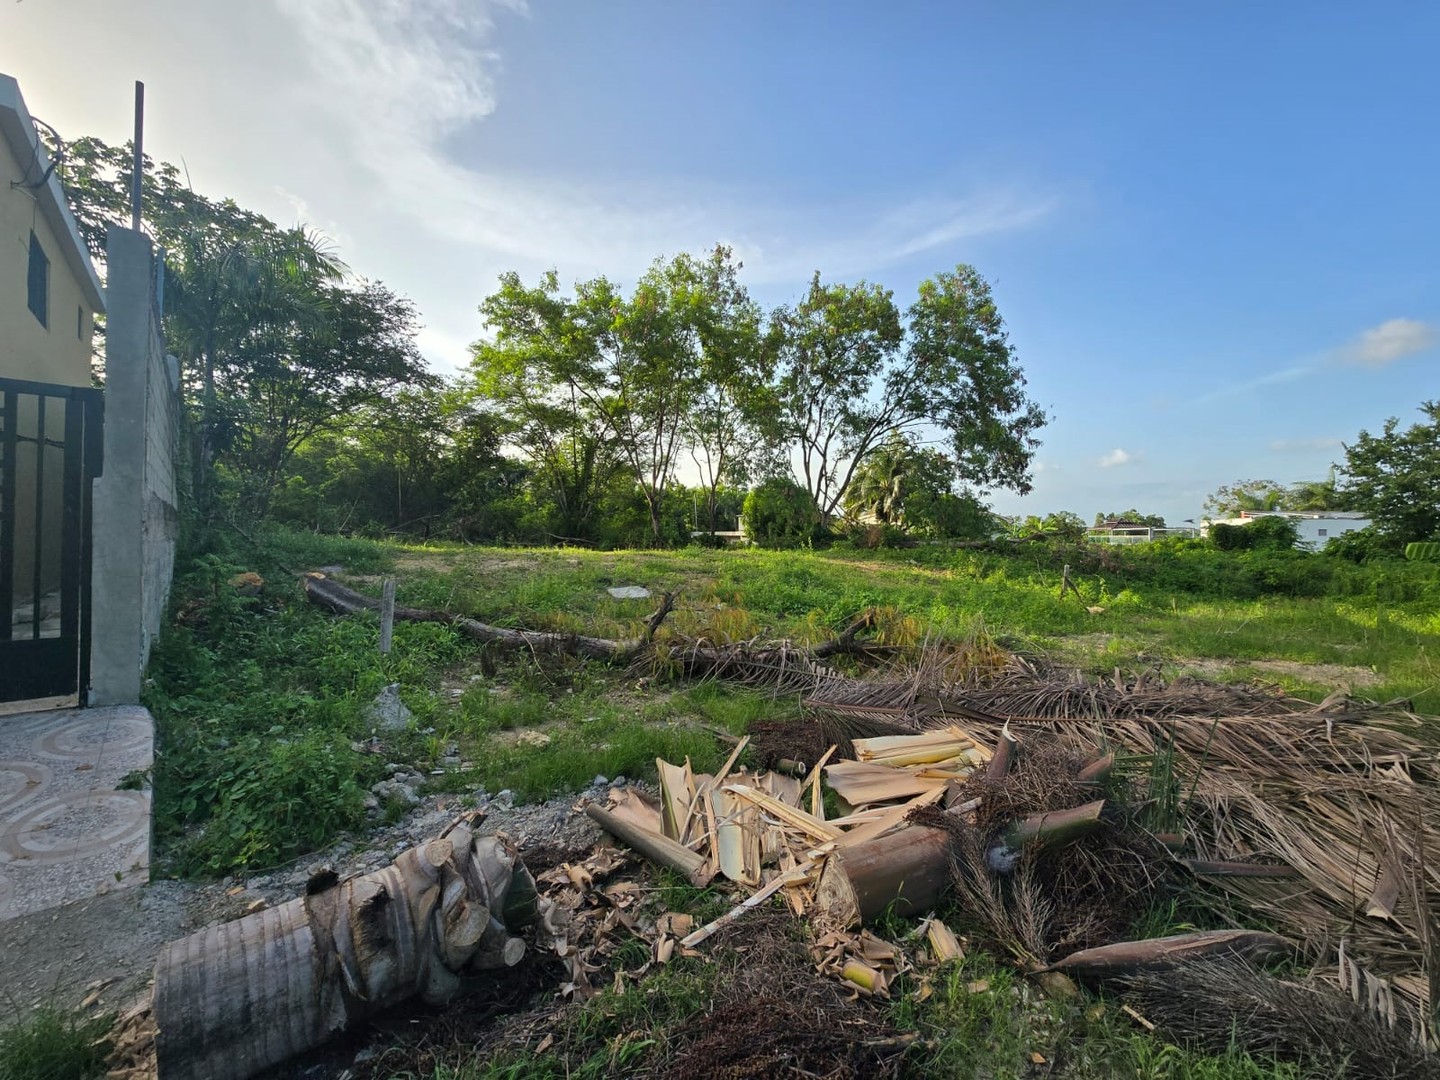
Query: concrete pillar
x,y
117,654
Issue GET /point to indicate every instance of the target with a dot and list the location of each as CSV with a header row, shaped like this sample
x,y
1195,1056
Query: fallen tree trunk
x,y
343,600
235,999
905,871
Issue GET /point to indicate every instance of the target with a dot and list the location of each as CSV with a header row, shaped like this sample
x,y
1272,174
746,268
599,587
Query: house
x,y
49,297
1120,531
1314,527
49,291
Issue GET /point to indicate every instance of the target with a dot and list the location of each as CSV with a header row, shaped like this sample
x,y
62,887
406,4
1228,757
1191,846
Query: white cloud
x,y
402,77
361,116
1288,446
1392,340
1116,458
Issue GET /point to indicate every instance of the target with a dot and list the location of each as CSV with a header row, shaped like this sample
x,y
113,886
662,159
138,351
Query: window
x,y
1323,532
79,322
37,282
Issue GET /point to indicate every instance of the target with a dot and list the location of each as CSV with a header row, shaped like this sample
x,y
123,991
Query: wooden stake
x,y
387,614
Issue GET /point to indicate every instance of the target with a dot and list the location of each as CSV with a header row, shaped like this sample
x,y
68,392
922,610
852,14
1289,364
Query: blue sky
x,y
1212,231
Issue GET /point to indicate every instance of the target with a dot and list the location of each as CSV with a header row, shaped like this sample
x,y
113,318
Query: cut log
x,y
905,872
1131,957
236,999
1003,757
656,847
343,600
1097,771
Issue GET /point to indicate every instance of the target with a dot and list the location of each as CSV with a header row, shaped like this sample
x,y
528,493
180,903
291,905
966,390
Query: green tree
x,y
851,375
1394,477
1229,500
531,381
274,344
600,370
731,412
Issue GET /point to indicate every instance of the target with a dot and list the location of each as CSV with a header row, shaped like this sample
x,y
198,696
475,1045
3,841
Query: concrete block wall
x,y
136,521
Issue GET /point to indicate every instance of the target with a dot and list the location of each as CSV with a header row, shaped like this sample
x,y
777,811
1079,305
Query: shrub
x,y
780,513
1361,545
1263,533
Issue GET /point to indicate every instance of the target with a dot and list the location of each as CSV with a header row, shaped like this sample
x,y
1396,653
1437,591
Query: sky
x,y
1212,229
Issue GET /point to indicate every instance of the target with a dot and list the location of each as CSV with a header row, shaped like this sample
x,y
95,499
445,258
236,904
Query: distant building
x,y
1315,527
1120,531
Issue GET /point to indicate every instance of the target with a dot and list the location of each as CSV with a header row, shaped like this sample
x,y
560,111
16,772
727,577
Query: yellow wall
x,y
27,349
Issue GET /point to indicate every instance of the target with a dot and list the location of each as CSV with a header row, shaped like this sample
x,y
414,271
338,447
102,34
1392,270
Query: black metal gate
x,y
50,451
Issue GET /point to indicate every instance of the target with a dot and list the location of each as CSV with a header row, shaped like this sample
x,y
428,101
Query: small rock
x,y
388,711
536,739
395,789
629,592
371,802
600,781
619,781
505,800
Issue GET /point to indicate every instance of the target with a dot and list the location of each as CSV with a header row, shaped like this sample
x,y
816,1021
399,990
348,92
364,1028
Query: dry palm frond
x,y
1216,1004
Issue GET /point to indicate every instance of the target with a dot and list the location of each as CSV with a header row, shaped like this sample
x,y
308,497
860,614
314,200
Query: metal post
x,y
387,614
139,165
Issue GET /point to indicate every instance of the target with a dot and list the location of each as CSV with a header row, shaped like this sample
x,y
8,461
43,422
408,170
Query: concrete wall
x,y
59,353
136,520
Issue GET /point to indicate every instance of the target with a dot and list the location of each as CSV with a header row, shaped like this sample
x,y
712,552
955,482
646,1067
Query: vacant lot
x,y
268,752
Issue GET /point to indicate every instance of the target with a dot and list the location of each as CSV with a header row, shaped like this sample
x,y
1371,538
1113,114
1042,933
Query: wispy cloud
x,y
1393,339
1240,389
1292,446
1116,458
401,77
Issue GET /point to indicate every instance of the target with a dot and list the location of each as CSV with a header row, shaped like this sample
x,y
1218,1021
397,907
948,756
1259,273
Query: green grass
x,y
1170,606
51,1044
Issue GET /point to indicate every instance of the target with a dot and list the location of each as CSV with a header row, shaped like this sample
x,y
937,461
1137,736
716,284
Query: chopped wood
x,y
1006,747
1097,771
677,797
893,818
1054,826
737,831
861,783
790,815
657,847
633,805
944,945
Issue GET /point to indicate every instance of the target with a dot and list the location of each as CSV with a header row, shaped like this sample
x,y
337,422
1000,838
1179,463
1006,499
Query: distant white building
x,y
1120,531
1314,526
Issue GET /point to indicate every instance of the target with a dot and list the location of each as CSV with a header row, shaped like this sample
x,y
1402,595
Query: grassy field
x,y
1375,630
261,702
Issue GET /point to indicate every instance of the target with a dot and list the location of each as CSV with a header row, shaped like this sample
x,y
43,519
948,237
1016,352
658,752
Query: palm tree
x,y
878,486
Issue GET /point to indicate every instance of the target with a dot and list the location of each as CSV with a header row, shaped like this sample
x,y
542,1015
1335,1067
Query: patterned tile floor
x,y
66,833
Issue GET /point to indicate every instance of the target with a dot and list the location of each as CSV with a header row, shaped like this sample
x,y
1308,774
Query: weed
x,y
52,1044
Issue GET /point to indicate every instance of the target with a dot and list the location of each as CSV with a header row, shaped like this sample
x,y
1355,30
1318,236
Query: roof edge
x,y
18,129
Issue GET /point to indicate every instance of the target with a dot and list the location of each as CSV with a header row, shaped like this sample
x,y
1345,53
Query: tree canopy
x,y
1394,477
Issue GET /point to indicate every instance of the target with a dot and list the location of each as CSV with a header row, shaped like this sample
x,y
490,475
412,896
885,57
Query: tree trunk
x,y
905,871
329,593
238,998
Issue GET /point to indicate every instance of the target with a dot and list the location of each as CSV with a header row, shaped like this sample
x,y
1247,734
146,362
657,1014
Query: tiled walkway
x,y
66,833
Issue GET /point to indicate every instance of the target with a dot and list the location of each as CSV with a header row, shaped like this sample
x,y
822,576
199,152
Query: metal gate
x,y
50,451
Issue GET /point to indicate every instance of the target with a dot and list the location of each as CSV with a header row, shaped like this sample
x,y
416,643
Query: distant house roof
x,y
1110,524
17,129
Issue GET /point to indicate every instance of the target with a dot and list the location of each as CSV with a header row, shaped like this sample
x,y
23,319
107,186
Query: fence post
x,y
387,614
